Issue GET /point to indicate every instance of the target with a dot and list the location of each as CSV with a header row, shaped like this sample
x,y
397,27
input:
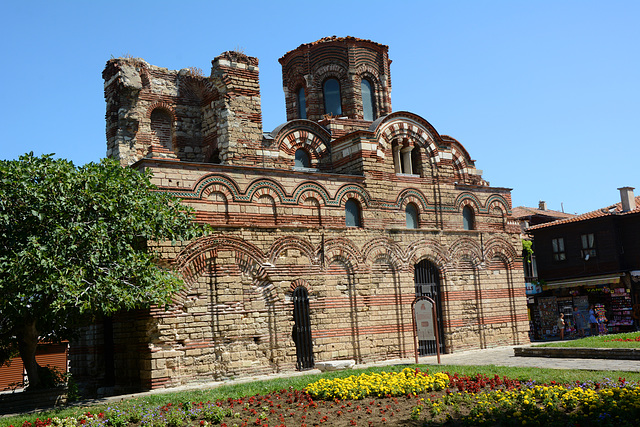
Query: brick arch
x,y
352,191
412,195
460,158
295,81
292,242
162,105
466,248
467,199
217,188
383,247
299,283
501,248
304,190
428,249
338,71
314,144
401,128
334,69
192,261
367,72
343,249
459,164
499,202
218,182
263,186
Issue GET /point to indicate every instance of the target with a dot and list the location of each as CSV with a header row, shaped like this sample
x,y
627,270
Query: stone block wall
x,y
278,226
236,315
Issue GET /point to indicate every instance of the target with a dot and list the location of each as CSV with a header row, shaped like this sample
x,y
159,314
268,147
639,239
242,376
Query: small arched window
x,y
302,106
468,218
352,213
332,99
412,216
302,159
161,128
368,111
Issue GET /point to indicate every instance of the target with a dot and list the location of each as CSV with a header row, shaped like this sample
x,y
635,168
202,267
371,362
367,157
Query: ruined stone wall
x,y
213,119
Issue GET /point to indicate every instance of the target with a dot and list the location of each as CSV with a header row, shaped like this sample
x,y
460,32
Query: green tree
x,y
73,243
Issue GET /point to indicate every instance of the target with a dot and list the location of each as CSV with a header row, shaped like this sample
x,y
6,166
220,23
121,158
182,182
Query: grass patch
x,y
600,341
299,382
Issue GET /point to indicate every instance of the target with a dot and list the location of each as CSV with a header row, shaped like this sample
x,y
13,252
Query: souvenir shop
x,y
610,296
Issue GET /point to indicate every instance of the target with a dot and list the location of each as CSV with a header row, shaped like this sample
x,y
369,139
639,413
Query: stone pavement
x,y
504,356
499,356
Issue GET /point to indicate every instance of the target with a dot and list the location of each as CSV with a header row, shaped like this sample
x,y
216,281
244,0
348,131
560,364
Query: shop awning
x,y
610,279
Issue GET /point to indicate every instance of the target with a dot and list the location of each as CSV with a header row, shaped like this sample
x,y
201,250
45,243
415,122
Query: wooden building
x,y
590,259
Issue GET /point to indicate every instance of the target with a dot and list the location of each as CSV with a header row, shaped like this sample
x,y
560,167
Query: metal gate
x,y
427,280
301,333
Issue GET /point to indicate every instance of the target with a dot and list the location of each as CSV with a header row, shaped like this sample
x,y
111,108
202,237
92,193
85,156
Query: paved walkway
x,y
503,356
499,356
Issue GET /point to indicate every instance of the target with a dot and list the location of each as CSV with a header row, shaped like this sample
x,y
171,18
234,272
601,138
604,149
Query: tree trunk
x,y
27,345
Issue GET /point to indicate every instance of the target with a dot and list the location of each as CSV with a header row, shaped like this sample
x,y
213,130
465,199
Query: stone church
x,y
325,229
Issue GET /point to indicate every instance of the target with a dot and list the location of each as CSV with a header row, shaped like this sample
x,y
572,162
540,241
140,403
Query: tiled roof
x,y
607,211
523,212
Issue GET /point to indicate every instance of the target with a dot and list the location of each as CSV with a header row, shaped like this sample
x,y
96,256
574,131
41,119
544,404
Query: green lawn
x,y
299,382
602,341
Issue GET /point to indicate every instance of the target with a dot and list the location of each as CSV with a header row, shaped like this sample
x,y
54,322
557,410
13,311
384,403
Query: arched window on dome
x,y
332,98
412,216
468,218
302,106
302,159
368,105
352,213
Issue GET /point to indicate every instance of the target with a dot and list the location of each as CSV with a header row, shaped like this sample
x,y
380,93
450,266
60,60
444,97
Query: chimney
x,y
627,198
542,205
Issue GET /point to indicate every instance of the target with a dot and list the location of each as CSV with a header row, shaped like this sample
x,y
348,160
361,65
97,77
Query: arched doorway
x,y
301,333
427,281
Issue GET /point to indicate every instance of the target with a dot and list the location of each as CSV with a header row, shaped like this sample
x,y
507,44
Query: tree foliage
x,y
73,242
527,247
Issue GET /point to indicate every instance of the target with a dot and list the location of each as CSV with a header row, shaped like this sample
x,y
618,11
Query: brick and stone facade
x,y
279,225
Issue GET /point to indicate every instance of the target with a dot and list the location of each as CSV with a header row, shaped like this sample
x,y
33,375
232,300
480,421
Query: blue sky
x,y
544,95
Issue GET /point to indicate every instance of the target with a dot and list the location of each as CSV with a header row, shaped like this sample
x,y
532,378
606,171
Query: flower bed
x,y
410,398
633,339
384,384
